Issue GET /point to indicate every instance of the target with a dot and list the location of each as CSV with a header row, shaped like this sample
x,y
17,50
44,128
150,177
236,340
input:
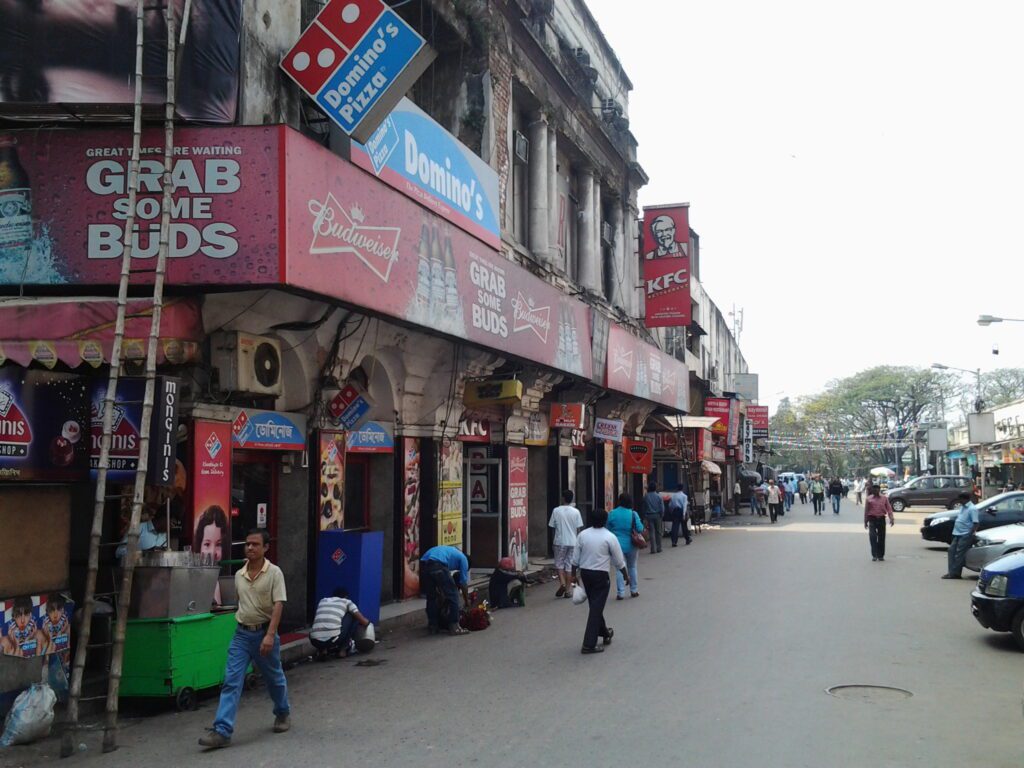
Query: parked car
x,y
1003,509
929,491
994,543
998,600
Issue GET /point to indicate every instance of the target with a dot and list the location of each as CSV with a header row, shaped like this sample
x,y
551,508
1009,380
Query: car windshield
x,y
995,500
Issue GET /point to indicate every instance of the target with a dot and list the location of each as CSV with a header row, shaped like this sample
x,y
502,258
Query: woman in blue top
x,y
622,521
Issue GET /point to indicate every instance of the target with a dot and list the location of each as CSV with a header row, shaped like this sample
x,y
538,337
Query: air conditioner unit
x,y
607,234
522,147
713,372
582,56
247,363
611,107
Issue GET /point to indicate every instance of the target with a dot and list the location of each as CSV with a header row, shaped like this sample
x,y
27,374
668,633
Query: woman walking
x,y
623,522
876,510
596,548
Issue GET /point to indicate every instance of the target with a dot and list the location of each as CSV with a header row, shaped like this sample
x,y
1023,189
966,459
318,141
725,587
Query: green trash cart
x,y
176,657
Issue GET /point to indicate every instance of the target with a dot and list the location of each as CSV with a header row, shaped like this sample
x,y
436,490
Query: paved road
x,y
722,661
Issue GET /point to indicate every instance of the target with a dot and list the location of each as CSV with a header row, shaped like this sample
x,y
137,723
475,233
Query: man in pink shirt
x,y
876,509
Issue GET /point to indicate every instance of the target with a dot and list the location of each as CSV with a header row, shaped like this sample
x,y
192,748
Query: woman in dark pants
x,y
596,548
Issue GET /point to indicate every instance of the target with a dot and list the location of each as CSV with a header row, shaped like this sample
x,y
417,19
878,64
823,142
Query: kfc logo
x,y
676,279
336,230
528,317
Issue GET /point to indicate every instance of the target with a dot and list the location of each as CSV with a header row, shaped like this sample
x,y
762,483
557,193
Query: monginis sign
x,y
667,265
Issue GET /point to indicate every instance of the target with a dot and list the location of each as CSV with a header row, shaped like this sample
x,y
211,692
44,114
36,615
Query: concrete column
x,y
556,258
598,256
586,260
539,225
620,275
634,273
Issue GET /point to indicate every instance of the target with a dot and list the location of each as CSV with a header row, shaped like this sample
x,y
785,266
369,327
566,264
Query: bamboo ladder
x,y
109,401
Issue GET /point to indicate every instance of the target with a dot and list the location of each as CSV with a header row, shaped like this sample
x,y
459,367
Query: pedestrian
x,y
964,528
678,511
654,514
835,492
876,510
336,617
775,497
818,494
737,491
439,587
261,595
623,522
596,549
567,522
802,490
858,490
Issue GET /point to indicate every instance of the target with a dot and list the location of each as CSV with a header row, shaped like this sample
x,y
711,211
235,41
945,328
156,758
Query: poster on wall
x,y
36,625
609,476
410,517
331,489
637,456
211,488
666,238
518,514
43,417
449,501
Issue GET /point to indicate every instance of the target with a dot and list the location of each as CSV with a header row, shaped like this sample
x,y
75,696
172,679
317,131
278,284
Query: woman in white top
x,y
596,549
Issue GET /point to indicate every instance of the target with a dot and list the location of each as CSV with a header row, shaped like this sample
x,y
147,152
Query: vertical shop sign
x,y
609,475
410,517
163,444
667,266
331,488
518,516
211,472
449,501
720,409
757,415
734,422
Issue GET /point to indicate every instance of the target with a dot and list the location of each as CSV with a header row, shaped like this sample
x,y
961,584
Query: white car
x,y
993,543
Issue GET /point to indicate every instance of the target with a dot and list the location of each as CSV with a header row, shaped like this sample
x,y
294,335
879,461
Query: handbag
x,y
635,536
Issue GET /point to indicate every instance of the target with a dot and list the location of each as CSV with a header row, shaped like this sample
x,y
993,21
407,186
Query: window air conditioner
x,y
247,363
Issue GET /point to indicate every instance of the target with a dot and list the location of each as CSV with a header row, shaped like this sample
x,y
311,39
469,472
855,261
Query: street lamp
x,y
989,319
979,404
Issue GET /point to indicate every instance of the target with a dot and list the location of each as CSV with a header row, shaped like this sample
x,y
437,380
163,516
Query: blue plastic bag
x,y
31,716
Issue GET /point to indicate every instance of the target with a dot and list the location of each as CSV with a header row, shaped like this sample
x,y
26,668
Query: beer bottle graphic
x,y
437,288
422,311
15,202
453,308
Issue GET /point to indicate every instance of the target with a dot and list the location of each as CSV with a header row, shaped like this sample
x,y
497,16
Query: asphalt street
x,y
723,660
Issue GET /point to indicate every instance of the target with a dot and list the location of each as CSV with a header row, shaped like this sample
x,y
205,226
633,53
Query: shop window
x,y
520,196
357,492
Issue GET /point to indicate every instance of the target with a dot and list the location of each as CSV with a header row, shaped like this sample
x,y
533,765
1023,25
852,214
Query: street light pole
x,y
979,403
989,319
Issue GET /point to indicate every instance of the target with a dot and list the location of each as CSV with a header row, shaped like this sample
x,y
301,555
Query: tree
x,y
1001,386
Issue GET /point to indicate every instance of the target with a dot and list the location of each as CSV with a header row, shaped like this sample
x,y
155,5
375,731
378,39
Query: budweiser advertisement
x,y
637,368
518,517
666,239
720,408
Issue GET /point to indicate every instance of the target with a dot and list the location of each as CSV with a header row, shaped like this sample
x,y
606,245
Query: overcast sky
x,y
855,172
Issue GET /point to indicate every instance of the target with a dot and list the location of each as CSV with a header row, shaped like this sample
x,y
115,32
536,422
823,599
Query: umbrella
x,y
883,471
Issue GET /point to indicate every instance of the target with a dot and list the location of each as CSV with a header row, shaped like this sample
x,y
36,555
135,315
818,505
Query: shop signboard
x,y
637,456
355,61
1013,454
609,476
449,501
518,514
718,453
411,152
538,430
269,430
42,425
733,436
637,368
331,448
211,475
350,406
567,415
608,429
719,408
758,416
578,440
666,262
666,441
163,432
372,437
36,625
410,551
475,431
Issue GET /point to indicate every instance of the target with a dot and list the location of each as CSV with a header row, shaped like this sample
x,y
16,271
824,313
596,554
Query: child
x,y
23,638
56,629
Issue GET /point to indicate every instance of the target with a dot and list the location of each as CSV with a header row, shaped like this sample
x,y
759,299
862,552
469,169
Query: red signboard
x,y
567,415
518,518
637,456
734,422
637,368
758,415
718,407
700,443
667,266
211,485
475,431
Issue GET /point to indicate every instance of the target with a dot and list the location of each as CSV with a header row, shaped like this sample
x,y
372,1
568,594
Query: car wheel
x,y
1017,629
898,505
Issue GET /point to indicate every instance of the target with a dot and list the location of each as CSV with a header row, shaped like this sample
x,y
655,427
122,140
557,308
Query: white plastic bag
x,y
579,594
31,716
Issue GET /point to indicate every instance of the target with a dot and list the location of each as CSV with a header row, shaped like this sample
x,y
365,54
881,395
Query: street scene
x,y
496,382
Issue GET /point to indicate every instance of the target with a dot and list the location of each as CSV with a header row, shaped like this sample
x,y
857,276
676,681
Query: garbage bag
x,y
365,637
57,677
31,716
579,594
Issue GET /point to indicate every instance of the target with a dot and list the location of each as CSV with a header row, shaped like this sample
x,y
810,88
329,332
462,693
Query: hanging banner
x,y
269,430
720,408
637,368
331,488
518,514
758,416
666,239
410,517
566,415
609,429
350,406
449,500
637,456
211,487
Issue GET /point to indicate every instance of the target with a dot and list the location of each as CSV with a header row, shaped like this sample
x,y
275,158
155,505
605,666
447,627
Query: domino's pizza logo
x,y
213,446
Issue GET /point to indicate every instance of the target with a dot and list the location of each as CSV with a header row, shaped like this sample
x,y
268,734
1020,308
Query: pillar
x,y
538,188
620,275
586,261
596,234
556,258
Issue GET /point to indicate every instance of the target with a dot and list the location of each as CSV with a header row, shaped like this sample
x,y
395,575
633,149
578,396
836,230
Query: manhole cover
x,y
870,693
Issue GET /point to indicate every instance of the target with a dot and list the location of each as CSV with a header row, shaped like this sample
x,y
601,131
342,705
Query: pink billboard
x,y
70,189
355,239
637,368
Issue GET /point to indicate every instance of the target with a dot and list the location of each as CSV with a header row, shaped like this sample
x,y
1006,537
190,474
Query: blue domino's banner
x,y
415,155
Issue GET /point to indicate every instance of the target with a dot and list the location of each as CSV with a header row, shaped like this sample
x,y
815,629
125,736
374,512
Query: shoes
x,y
675,545
214,740
874,559
881,559
608,637
949,576
568,594
595,649
282,723
560,592
689,542
620,597
634,594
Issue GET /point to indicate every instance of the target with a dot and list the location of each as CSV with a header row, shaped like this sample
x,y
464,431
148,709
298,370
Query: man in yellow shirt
x,y
261,599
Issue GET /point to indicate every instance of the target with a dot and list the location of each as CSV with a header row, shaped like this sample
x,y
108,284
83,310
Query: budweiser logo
x,y
622,362
528,317
517,464
336,230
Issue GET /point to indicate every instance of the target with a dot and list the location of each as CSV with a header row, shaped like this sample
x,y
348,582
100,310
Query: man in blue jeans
x,y
261,599
964,528
438,586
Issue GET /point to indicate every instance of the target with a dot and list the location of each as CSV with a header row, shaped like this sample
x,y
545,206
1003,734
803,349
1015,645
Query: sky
x,y
855,172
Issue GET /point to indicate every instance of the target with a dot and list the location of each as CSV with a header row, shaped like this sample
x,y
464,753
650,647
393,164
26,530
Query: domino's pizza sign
x,y
356,60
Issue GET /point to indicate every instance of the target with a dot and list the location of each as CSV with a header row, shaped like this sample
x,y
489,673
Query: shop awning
x,y
81,330
955,454
710,467
690,422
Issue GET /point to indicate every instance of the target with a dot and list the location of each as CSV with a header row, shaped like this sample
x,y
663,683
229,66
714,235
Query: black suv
x,y
930,491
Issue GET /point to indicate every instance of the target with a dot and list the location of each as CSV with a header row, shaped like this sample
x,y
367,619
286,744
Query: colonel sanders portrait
x,y
663,229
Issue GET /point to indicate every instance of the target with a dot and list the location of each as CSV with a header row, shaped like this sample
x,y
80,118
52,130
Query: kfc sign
x,y
667,266
567,415
474,431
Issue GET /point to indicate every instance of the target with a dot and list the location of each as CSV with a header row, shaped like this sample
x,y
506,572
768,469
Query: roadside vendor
x,y
439,587
507,586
